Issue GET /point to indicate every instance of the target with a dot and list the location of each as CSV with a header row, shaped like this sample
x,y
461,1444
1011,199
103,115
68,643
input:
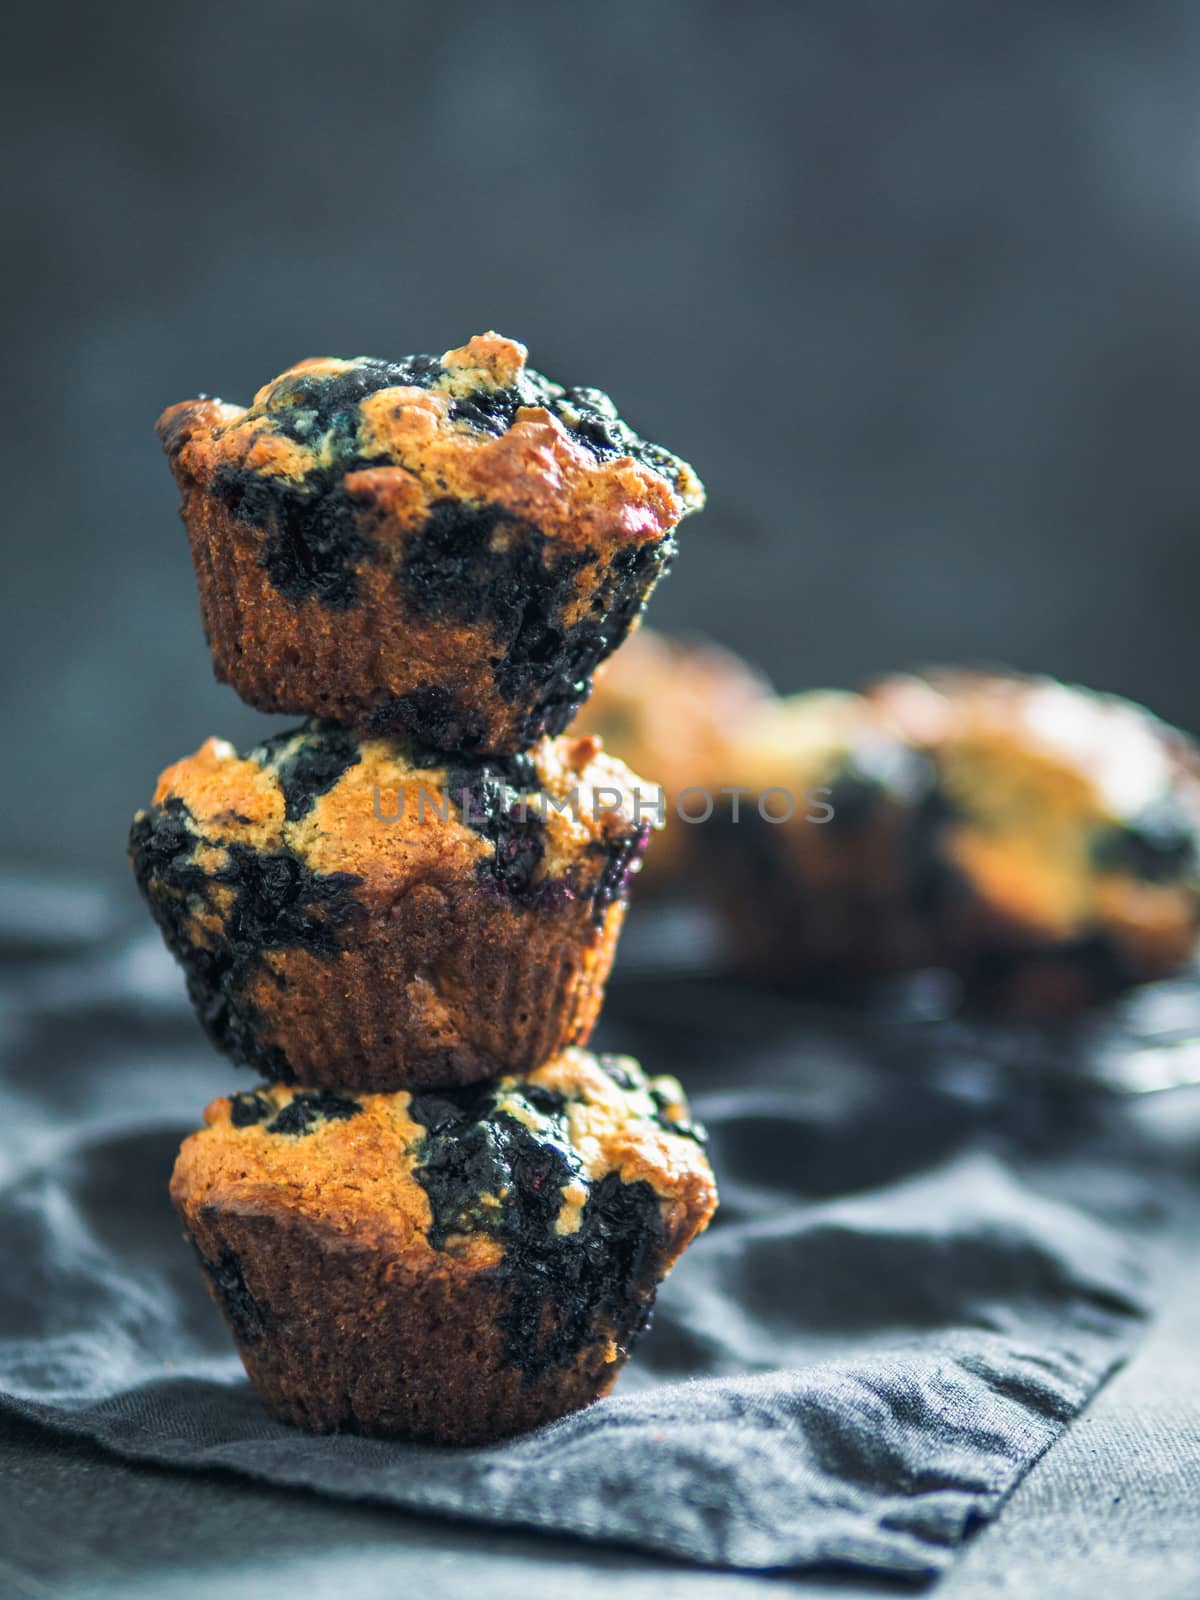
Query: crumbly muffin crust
x,y
358,911
437,547
545,1209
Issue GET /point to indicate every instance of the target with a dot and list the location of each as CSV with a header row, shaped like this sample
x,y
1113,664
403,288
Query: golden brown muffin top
x,y
476,425
394,817
476,1173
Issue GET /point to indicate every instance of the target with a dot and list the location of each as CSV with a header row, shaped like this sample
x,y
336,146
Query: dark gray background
x,y
913,285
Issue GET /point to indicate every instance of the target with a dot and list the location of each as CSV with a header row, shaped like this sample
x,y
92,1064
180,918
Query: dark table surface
x,y
1112,1508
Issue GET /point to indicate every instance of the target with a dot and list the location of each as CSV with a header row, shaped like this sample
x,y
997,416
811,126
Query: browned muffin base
x,y
337,1335
448,986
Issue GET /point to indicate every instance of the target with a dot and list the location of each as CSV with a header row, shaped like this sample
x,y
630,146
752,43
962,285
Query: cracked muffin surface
x,y
355,911
457,1264
439,547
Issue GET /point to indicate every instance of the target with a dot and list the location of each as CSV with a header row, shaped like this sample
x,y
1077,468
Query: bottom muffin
x,y
457,1265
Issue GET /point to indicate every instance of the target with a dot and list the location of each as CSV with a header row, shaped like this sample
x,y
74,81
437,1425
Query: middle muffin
x,y
357,911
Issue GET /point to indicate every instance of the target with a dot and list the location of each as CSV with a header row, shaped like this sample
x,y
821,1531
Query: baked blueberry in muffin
x,y
454,1265
436,548
363,912
1066,865
816,862
672,709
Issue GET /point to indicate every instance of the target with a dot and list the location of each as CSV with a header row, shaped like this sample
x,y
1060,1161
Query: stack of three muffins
x,y
439,1216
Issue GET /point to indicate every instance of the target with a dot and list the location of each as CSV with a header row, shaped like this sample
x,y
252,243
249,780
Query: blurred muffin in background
x,y
1039,841
1065,865
816,856
674,705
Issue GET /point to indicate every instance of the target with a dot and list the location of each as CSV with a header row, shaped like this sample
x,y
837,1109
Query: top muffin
x,y
442,548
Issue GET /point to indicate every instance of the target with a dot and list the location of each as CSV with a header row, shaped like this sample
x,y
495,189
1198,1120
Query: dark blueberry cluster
x,y
500,798
248,1107
685,1127
248,1319
303,1113
313,767
312,405
564,1289
623,854
315,541
435,713
487,794
278,903
551,662
312,542
457,568
619,1070
1159,846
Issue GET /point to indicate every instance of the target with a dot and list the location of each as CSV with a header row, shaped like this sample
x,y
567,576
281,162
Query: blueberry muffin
x,y
1065,865
816,863
452,1265
671,708
363,912
435,548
